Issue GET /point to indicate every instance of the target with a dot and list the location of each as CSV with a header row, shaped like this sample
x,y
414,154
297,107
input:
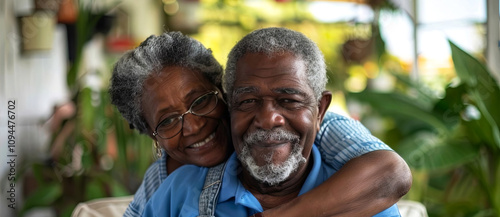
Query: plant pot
x,y
68,12
50,5
357,50
37,31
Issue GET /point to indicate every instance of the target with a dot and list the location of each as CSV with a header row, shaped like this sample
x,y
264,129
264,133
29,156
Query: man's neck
x,y
272,196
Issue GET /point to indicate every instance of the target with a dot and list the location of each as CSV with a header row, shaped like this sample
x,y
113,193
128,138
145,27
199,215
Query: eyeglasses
x,y
171,126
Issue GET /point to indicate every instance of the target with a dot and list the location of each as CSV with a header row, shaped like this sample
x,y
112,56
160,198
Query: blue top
x,y
339,140
179,194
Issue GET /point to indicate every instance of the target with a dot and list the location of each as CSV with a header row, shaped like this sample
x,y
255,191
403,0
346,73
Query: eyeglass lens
x,y
203,105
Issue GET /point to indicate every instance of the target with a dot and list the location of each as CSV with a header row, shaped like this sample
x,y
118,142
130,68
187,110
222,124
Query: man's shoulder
x,y
329,115
342,138
334,119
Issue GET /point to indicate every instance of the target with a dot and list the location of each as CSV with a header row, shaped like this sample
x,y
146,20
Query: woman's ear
x,y
150,134
323,105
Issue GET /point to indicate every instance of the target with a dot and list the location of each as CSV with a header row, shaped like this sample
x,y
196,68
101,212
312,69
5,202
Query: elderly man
x,y
275,84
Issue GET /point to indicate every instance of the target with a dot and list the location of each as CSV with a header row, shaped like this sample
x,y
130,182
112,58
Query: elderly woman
x,y
170,89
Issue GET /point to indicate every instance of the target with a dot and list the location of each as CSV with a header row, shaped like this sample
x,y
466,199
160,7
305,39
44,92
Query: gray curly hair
x,y
151,57
278,40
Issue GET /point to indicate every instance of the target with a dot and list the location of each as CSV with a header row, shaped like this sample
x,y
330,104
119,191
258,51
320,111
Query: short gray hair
x,y
151,57
277,40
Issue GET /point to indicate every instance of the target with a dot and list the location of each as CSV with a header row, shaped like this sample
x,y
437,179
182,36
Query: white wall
x,y
493,38
145,18
37,82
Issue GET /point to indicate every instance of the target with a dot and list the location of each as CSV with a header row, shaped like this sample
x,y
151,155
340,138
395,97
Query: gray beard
x,y
271,174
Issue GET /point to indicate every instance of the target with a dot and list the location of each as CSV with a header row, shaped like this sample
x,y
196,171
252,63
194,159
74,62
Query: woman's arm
x,y
370,176
364,186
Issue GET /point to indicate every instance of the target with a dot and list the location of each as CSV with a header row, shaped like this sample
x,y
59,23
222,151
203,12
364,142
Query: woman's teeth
x,y
199,144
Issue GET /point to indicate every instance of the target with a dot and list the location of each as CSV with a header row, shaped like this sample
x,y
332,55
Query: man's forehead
x,y
285,71
279,90
268,59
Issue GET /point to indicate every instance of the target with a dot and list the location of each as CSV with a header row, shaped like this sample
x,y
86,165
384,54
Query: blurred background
x,y
422,75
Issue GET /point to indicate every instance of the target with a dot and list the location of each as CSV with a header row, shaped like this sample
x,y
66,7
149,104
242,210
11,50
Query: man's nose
x,y
192,124
269,116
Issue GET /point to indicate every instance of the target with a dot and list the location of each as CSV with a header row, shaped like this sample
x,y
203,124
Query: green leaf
x,y
427,151
68,210
38,173
43,196
87,110
118,190
496,188
71,77
87,159
490,126
482,88
450,106
425,95
94,190
395,104
122,138
465,65
478,78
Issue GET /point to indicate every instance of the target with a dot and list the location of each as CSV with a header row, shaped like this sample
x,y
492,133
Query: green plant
x,y
452,143
99,155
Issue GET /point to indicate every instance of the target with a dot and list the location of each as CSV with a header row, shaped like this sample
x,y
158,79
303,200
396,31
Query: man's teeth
x,y
199,144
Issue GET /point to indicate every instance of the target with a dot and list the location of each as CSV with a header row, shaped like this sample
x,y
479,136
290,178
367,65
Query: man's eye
x,y
288,103
246,105
247,101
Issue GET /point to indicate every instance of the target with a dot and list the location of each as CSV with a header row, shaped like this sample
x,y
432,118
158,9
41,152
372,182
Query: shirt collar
x,y
163,166
232,188
313,179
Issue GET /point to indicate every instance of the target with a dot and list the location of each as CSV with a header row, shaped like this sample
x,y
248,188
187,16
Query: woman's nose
x,y
192,124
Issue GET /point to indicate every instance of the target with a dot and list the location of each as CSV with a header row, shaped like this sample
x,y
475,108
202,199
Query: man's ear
x,y
324,103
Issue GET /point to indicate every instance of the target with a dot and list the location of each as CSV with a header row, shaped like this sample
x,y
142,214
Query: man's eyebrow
x,y
290,91
242,90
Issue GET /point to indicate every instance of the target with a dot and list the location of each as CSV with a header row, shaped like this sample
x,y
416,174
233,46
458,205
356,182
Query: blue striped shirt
x,y
176,198
339,140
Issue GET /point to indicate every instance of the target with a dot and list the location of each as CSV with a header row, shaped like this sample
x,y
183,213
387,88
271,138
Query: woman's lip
x,y
204,142
209,140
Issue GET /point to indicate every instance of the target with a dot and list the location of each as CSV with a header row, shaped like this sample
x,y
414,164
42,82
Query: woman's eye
x,y
200,101
167,122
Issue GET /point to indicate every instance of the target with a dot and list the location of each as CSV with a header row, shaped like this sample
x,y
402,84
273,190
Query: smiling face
x,y
274,115
203,140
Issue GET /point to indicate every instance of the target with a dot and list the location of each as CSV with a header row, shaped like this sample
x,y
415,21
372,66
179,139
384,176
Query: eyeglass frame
x,y
190,110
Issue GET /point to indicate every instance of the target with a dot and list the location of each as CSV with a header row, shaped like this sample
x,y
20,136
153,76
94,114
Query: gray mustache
x,y
277,134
